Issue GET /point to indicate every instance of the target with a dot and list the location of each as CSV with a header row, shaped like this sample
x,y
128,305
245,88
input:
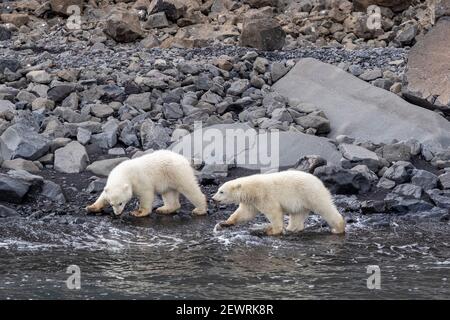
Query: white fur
x,y
161,172
292,192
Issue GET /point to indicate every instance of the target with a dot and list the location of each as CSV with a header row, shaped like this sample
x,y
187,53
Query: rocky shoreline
x,y
72,108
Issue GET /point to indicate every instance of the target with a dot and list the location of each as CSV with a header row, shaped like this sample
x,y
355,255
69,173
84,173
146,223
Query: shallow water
x,y
183,258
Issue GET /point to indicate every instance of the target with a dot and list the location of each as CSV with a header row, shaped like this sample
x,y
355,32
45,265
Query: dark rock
x,y
264,34
373,206
396,152
8,63
12,189
5,34
424,179
444,180
343,181
400,172
53,191
408,190
59,92
21,141
154,136
440,198
6,212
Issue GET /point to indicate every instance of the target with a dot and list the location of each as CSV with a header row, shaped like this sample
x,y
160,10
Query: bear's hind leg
x,y
297,221
275,215
145,205
332,216
98,205
171,200
196,197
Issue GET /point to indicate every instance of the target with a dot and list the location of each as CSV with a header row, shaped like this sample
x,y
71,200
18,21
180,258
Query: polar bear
x,y
295,193
163,172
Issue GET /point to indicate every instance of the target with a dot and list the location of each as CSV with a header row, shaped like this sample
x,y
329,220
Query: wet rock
x,y
21,141
263,34
373,206
12,189
444,180
53,191
424,179
72,158
343,181
154,136
398,204
408,190
400,172
6,212
104,167
20,164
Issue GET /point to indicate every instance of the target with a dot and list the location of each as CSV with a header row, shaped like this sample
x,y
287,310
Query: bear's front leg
x,y
145,205
242,214
98,205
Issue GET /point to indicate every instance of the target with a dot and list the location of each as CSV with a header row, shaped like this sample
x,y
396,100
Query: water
x,y
179,257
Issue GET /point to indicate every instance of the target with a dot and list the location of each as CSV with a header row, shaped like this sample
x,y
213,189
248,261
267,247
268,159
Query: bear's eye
x,y
120,204
221,192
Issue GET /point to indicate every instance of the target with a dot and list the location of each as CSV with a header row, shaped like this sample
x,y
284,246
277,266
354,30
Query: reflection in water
x,y
182,257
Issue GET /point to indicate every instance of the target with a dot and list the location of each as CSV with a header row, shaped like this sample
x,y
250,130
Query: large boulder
x,y
22,141
262,33
123,27
426,79
13,189
240,145
358,109
72,158
173,9
104,167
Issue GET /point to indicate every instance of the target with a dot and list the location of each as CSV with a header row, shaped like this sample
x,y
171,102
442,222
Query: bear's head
x,y
229,192
118,196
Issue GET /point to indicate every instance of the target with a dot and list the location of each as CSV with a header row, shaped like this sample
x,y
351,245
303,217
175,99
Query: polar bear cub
x,y
295,193
163,172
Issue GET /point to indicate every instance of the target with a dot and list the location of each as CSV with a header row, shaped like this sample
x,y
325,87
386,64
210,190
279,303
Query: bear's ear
x,y
127,186
238,186
105,189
